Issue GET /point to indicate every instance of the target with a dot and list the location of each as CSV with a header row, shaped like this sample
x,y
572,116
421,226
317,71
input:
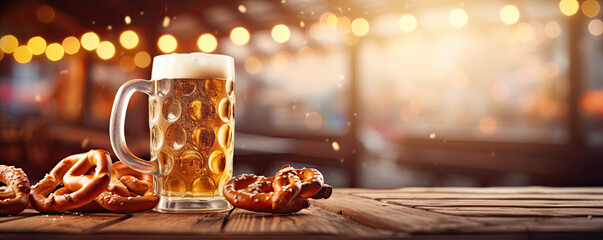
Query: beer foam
x,y
193,65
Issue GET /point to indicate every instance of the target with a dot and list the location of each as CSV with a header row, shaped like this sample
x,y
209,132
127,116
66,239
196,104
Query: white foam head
x,y
193,65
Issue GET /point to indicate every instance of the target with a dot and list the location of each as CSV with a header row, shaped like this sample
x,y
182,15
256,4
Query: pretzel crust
x,y
129,191
14,196
82,187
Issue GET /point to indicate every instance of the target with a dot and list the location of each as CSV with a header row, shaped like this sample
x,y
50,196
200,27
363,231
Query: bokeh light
x,y
552,29
281,33
487,125
253,65
207,43
127,20
590,8
167,43
509,14
142,59
313,120
90,41
128,39
408,22
54,52
126,63
9,43
37,45
105,50
22,54
524,32
328,19
458,17
45,14
71,45
459,80
239,36
360,27
595,27
568,7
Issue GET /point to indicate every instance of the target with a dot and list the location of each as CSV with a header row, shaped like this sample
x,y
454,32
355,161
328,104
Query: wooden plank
x,y
313,220
62,223
517,212
497,203
526,196
26,213
497,190
539,224
391,217
169,223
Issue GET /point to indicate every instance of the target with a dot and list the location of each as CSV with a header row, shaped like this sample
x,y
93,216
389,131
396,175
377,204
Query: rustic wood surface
x,y
522,212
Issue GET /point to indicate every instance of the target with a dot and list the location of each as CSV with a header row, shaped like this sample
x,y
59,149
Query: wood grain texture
x,y
518,196
517,212
496,190
26,213
310,221
535,224
62,223
497,203
391,217
169,223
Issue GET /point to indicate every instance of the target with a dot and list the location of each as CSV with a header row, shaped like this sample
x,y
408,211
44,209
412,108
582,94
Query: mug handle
x,y
116,126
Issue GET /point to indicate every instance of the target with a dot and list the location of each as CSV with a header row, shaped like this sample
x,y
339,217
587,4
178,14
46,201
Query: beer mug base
x,y
192,205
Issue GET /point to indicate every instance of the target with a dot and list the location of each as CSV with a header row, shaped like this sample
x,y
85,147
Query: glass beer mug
x,y
191,121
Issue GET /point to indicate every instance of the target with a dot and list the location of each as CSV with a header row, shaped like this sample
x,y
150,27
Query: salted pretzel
x,y
287,186
255,193
129,191
14,197
73,172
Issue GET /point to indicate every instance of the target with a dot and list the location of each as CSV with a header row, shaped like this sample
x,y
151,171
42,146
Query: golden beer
x,y
192,131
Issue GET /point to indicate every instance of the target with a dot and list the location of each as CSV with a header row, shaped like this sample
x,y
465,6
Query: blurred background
x,y
378,94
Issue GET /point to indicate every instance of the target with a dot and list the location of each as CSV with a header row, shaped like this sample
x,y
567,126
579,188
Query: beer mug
x,y
191,121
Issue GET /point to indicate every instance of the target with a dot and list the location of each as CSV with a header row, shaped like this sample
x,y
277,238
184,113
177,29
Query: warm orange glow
x,y
126,63
281,33
360,27
127,20
416,105
1,55
105,50
281,60
253,65
568,7
8,43
499,92
313,120
22,54
590,8
71,45
350,39
45,14
458,18
37,45
142,59
328,19
128,39
167,43
90,41
487,125
207,43
509,14
552,29
239,36
408,23
459,80
595,27
524,32
55,52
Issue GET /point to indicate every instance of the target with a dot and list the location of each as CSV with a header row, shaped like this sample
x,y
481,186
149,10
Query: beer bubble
x,y
154,110
156,137
211,88
190,162
225,109
203,186
217,162
195,110
225,136
175,185
171,109
185,87
203,137
229,87
167,162
175,136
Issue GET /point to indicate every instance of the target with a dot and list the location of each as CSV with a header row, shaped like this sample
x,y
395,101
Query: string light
x,y
71,45
207,43
408,23
142,59
568,7
595,27
239,36
90,41
45,14
128,39
281,33
9,43
37,45
167,43
22,54
360,27
55,52
458,18
590,8
509,14
105,50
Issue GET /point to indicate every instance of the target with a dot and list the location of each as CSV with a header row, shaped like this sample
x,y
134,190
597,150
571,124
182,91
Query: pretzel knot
x,y
286,192
14,196
75,172
129,191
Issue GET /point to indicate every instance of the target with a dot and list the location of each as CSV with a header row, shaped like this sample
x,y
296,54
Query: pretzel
x,y
256,193
129,191
14,196
287,186
72,172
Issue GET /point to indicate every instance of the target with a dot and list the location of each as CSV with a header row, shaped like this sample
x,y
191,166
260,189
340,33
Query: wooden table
x,y
524,212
